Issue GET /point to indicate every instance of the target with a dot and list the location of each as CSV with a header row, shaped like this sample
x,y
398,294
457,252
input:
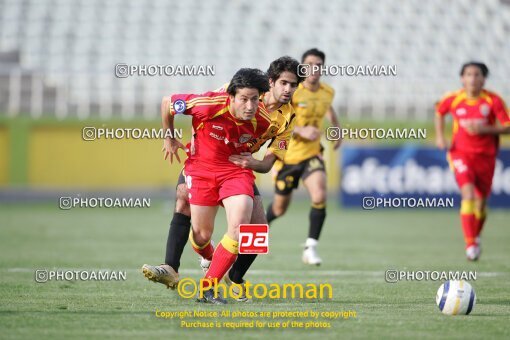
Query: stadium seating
x,y
68,50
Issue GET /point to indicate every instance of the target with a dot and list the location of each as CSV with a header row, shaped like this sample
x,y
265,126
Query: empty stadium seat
x,y
84,40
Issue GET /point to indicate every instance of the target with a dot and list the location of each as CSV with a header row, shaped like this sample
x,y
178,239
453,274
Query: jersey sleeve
x,y
280,142
200,106
501,111
444,105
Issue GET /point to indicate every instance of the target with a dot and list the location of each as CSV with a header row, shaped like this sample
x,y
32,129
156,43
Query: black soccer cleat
x,y
208,297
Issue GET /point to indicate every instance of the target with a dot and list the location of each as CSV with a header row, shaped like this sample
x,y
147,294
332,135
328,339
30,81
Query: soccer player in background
x,y
474,146
283,81
303,160
222,123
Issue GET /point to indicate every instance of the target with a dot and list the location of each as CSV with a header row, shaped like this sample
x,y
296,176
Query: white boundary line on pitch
x,y
259,272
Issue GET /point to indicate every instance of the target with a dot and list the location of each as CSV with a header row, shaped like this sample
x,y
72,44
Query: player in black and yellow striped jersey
x,y
303,160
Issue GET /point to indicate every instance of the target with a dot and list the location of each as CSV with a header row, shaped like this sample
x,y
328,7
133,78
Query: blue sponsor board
x,y
410,171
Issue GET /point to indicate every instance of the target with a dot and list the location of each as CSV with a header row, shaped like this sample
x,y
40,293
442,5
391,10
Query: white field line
x,y
260,272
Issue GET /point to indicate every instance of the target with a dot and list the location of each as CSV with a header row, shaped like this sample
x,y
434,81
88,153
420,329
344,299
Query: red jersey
x,y
485,109
217,133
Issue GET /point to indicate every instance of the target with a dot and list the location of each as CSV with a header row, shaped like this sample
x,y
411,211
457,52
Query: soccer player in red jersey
x,y
474,146
283,80
223,123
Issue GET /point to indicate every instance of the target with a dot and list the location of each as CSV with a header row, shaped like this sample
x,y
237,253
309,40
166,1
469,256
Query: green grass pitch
x,y
357,248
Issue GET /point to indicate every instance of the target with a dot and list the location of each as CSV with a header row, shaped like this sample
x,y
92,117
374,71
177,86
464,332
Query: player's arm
x,y
441,142
307,132
442,109
246,160
501,113
275,150
479,129
333,119
170,144
201,107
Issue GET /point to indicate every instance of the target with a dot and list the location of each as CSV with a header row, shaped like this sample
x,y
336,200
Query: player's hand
x,y
171,147
309,132
441,143
475,127
245,160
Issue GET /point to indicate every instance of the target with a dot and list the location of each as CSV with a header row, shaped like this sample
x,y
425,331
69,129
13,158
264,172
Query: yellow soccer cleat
x,y
163,274
239,290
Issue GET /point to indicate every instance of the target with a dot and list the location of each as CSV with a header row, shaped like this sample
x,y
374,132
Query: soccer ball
x,y
456,297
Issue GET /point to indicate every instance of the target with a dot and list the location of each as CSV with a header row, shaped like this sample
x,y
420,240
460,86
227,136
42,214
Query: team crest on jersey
x,y
244,138
282,145
179,106
484,110
461,111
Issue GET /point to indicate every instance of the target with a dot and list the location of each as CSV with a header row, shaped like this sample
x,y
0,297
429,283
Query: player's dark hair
x,y
248,78
314,52
483,68
284,64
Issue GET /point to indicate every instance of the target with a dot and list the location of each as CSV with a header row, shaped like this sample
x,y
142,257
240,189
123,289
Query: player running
x,y
474,146
283,80
312,101
223,123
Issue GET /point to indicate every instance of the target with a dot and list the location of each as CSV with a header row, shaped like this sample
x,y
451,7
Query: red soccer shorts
x,y
475,169
209,186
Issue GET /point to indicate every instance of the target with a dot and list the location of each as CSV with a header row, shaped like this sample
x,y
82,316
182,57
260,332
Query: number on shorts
x,y
459,165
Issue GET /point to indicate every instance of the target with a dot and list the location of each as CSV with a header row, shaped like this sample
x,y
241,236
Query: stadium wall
x,y
53,154
49,154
